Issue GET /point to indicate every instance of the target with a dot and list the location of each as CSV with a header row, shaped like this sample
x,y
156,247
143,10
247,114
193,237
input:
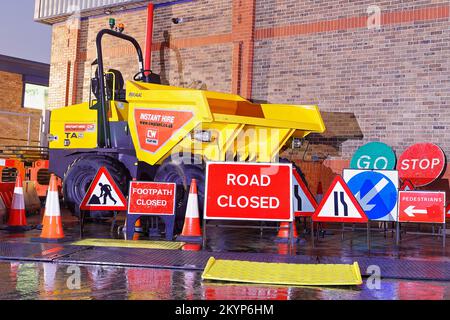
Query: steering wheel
x,y
140,76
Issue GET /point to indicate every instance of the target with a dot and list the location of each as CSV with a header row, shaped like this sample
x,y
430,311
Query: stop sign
x,y
421,163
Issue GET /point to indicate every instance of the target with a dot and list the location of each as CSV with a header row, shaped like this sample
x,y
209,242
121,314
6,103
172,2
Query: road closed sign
x,y
374,155
421,164
151,198
421,206
248,191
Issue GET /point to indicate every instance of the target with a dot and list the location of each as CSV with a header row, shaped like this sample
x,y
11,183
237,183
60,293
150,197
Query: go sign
x,y
374,156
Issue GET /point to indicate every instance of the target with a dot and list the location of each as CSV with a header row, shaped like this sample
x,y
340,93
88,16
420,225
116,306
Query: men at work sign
x,y
249,191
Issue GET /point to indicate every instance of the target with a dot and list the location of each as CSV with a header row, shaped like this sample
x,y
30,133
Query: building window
x,y
35,96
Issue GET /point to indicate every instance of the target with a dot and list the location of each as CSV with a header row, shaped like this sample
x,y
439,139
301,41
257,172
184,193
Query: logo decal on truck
x,y
156,127
79,127
152,137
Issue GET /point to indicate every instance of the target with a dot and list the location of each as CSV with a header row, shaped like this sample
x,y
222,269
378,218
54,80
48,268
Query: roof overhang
x,y
55,11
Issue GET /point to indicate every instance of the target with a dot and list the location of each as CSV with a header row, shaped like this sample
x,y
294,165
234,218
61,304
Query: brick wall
x,y
389,84
14,128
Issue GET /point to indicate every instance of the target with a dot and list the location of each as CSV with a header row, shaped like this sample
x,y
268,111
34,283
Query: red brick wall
x,y
389,84
385,85
14,128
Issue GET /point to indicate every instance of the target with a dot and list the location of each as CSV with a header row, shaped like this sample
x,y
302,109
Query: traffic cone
x,y
52,230
283,233
138,226
191,247
319,193
191,229
283,249
17,221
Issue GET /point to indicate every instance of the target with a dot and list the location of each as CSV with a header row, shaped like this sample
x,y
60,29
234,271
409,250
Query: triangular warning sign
x,y
304,203
447,210
103,194
339,205
407,186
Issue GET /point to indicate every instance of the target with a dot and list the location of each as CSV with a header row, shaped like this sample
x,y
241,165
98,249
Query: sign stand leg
x,y
397,234
319,226
312,232
81,218
368,235
305,225
204,234
291,241
169,224
113,223
444,234
130,225
342,232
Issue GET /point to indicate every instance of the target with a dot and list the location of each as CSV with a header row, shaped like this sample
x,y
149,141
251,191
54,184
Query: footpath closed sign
x,y
248,191
422,206
152,198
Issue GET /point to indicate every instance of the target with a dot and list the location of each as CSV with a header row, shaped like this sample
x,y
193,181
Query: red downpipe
x,y
149,37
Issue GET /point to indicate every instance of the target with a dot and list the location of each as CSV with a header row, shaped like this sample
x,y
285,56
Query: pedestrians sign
x,y
152,198
407,186
103,194
376,192
421,206
374,155
304,203
421,163
339,205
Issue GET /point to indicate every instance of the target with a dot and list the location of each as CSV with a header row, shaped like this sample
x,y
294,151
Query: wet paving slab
x,y
41,252
50,281
40,271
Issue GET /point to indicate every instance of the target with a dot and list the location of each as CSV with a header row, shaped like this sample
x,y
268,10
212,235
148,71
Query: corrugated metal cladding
x,y
45,9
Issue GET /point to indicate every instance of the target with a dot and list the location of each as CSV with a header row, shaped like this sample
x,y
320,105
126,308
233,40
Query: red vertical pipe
x,y
149,37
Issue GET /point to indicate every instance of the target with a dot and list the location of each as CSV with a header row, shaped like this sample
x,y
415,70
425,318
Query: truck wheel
x,y
181,173
81,173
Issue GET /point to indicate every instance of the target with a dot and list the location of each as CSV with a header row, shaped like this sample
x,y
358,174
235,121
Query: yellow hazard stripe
x,y
130,244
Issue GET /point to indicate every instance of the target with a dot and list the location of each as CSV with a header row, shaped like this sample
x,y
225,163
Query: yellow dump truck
x,y
161,133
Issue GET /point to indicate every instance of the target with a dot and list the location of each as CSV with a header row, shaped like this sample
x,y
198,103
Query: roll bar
x,y
103,128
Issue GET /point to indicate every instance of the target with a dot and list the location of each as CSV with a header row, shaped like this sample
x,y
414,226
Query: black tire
x,y
181,172
80,174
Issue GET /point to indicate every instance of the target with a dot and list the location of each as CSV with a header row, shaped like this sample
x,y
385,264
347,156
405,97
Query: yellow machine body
x,y
164,119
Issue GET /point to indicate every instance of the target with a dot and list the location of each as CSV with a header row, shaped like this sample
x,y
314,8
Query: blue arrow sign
x,y
376,193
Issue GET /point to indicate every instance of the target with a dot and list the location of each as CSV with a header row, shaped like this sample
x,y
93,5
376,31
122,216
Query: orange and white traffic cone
x,y
192,247
17,221
319,192
191,230
138,226
52,230
283,233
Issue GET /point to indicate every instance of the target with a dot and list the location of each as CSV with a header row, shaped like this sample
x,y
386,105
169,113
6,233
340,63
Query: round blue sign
x,y
375,192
